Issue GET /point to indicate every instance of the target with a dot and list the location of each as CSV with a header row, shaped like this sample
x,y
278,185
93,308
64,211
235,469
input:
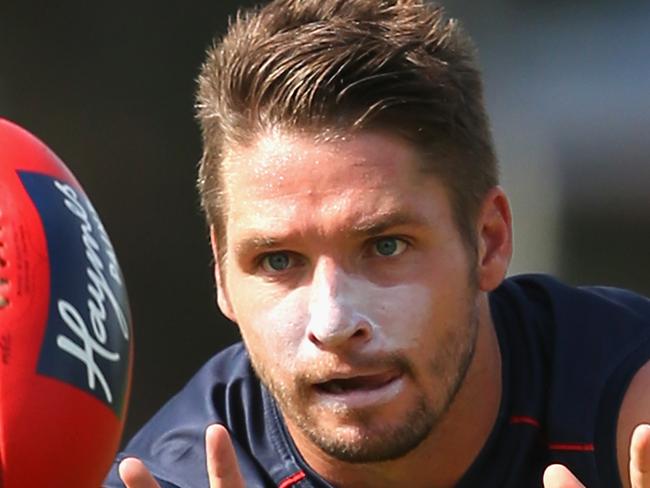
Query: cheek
x,y
402,314
275,328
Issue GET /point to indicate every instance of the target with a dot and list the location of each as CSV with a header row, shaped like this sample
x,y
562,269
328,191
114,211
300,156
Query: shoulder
x,y
553,288
600,355
222,376
593,335
635,410
225,379
587,332
171,443
578,307
589,329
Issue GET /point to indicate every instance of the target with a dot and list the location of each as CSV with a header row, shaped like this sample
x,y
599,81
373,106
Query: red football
x,y
65,325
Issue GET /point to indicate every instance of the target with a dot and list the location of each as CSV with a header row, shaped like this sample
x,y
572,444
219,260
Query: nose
x,y
334,321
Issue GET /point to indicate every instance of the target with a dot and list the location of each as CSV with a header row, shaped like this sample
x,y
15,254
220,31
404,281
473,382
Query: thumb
x,y
223,470
558,476
134,474
640,456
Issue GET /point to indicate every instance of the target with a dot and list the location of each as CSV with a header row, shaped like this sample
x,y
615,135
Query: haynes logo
x,y
87,339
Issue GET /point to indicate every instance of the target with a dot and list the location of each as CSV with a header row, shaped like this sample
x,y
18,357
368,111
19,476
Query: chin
x,y
365,437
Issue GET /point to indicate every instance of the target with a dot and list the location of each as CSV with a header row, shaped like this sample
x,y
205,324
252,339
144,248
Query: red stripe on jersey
x,y
571,447
522,419
292,480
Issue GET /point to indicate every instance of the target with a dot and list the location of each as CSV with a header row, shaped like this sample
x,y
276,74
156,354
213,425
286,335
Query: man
x,y
361,242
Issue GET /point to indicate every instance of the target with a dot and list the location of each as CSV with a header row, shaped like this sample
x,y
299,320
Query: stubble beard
x,y
370,442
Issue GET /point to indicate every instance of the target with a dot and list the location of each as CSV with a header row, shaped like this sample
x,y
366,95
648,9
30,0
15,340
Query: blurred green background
x,y
109,86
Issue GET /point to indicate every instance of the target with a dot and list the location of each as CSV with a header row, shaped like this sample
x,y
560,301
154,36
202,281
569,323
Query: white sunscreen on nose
x,y
395,316
390,312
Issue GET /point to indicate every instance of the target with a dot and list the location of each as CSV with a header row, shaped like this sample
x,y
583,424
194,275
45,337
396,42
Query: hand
x,y
223,470
558,476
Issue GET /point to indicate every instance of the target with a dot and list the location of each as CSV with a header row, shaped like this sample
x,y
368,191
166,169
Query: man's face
x,y
351,285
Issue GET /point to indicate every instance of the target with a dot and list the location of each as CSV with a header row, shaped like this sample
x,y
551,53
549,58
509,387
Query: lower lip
x,y
364,398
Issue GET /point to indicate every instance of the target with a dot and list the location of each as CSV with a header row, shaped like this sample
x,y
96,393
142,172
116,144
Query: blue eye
x,y
389,246
277,261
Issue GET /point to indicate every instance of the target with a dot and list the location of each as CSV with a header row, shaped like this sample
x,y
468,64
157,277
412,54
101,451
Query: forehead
x,y
278,163
285,179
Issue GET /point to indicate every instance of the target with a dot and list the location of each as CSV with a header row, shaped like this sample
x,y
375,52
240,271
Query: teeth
x,y
333,387
345,385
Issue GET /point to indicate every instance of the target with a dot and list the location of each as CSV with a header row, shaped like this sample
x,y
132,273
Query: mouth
x,y
362,390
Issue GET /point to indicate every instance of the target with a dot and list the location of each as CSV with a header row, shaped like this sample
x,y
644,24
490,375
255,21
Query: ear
x,y
222,294
494,238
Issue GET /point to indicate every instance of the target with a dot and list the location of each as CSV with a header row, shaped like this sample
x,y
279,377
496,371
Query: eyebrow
x,y
378,225
370,227
256,243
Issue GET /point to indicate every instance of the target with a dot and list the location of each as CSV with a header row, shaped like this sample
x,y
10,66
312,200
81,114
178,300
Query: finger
x,y
223,470
558,476
640,457
134,474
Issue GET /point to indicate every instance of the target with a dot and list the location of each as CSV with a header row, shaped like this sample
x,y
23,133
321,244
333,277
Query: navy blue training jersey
x,y
568,356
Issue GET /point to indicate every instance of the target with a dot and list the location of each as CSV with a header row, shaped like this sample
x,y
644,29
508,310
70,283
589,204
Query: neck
x,y
454,443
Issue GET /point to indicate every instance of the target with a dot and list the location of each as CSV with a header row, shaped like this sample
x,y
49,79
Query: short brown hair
x,y
349,65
